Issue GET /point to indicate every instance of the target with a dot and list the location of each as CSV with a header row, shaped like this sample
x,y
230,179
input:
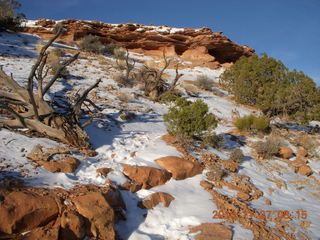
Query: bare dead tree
x,y
127,64
154,84
24,107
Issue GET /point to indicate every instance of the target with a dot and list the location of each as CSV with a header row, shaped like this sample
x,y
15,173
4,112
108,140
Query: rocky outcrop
x,y
154,199
200,46
24,211
212,231
96,209
285,152
52,214
179,167
147,177
44,157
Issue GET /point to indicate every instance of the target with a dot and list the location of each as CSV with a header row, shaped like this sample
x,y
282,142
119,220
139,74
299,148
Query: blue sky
x,y
288,30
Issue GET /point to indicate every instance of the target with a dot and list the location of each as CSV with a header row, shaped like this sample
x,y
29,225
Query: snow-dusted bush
x,y
92,44
270,147
203,82
236,155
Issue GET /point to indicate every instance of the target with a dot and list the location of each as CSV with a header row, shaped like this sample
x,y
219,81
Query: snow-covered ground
x,y
115,140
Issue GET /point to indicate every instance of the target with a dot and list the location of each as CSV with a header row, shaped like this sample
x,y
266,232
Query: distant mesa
x,y
201,46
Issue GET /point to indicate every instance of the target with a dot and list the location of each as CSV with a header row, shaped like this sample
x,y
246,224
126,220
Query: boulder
x,y
230,165
285,152
243,196
305,170
154,199
179,167
103,172
302,152
72,226
212,231
22,211
131,186
97,210
45,233
147,176
66,165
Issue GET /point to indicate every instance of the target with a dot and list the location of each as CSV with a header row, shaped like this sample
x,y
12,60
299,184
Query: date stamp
x,y
286,215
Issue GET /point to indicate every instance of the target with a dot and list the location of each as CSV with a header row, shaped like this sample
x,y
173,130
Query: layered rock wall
x,y
201,46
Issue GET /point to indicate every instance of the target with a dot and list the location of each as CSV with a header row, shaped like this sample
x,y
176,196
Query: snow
x,y
116,140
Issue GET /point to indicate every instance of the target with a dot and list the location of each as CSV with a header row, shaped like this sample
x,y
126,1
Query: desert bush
x,y
124,97
268,84
190,89
9,18
92,44
253,123
236,155
57,52
122,80
54,66
270,147
203,82
118,53
215,174
189,118
213,140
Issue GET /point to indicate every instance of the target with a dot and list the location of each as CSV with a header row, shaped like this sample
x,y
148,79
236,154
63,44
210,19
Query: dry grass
x,y
190,89
124,96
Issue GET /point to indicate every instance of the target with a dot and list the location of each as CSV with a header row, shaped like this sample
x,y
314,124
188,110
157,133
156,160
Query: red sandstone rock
x,y
147,176
72,226
201,46
230,165
179,167
243,196
154,199
103,171
23,211
305,170
212,231
301,152
285,152
66,165
94,207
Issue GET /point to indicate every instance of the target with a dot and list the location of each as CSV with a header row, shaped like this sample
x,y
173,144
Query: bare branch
x,y
15,114
60,69
35,67
82,98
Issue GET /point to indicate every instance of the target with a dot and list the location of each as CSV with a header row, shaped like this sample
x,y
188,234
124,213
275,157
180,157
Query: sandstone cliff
x,y
201,46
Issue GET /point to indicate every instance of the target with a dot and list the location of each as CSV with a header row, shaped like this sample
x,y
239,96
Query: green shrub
x,y
244,123
270,147
92,44
169,98
268,84
189,118
203,82
253,123
213,140
236,155
261,123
